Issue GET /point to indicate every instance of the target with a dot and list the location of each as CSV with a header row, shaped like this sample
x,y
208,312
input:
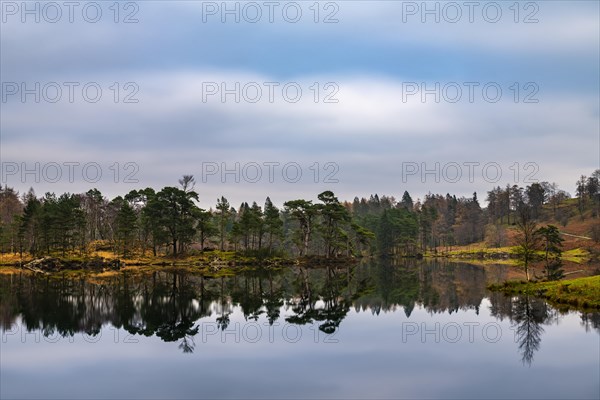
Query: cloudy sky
x,y
288,99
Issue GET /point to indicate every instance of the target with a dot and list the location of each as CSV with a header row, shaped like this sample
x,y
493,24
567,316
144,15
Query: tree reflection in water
x,y
167,309
529,316
169,304
333,293
590,321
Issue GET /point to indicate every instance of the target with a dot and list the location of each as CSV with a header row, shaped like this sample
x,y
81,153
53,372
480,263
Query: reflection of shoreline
x,y
169,305
579,293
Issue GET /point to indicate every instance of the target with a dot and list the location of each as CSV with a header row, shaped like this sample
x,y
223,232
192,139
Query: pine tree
x,y
223,212
205,227
303,212
551,244
126,222
272,221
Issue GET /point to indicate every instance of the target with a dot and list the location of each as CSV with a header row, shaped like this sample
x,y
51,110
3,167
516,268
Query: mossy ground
x,y
508,253
581,293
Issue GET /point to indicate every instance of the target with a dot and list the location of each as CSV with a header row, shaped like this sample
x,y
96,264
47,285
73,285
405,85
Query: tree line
x,y
170,222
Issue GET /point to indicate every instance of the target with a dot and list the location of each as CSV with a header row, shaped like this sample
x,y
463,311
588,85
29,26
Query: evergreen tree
x,y
303,212
223,212
407,201
551,244
10,214
334,216
272,221
535,197
205,226
126,222
30,225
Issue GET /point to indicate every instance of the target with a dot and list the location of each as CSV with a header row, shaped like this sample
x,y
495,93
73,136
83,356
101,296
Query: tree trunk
x,y
306,240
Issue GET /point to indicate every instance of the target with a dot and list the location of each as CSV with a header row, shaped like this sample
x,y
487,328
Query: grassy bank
x,y
581,293
505,255
208,262
201,258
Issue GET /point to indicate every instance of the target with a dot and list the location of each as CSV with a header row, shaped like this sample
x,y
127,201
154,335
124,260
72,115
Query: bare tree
x,y
527,239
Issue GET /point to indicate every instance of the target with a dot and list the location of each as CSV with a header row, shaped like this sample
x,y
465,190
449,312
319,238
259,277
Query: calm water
x,y
411,330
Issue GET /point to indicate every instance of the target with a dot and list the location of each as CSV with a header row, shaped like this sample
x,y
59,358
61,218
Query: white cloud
x,y
369,134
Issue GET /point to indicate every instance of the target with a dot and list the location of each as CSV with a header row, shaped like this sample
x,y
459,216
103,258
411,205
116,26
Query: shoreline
x,y
579,293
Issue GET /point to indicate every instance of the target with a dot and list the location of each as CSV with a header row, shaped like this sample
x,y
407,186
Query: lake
x,y
381,329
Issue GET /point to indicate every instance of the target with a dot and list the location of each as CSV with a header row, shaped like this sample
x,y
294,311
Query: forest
x,y
169,222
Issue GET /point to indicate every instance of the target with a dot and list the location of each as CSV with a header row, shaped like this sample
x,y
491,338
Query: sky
x,y
288,99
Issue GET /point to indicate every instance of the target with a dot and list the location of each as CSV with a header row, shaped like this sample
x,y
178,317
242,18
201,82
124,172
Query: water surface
x,y
419,329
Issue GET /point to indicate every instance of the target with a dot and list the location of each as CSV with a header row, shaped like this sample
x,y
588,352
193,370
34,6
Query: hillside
x,y
581,253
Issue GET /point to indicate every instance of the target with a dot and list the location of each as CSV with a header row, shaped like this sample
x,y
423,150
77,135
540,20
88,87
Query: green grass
x,y
485,261
577,255
580,293
507,254
474,252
